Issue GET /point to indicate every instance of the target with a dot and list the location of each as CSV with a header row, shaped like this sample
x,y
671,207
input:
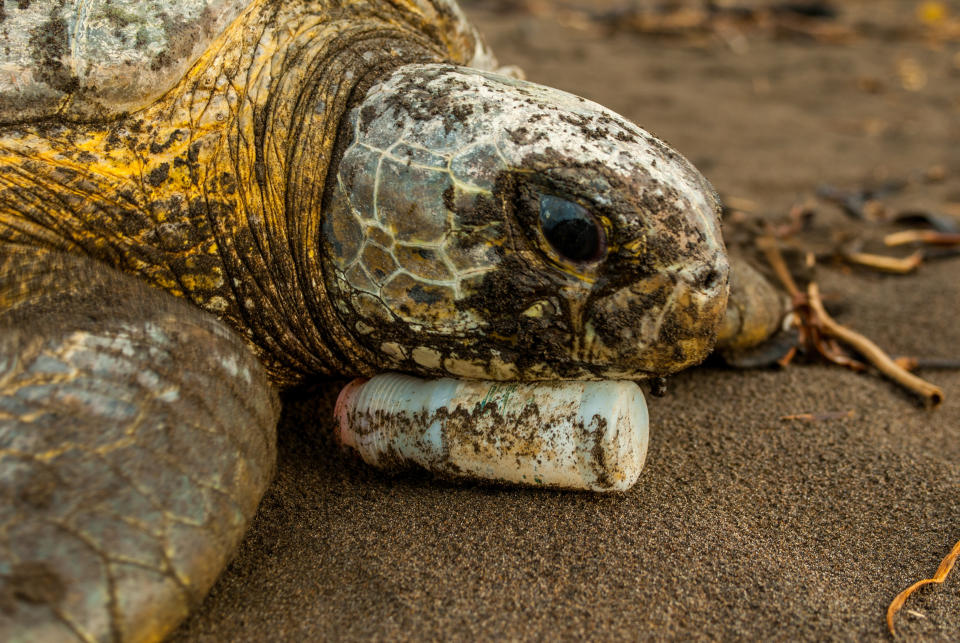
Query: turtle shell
x,y
85,60
88,59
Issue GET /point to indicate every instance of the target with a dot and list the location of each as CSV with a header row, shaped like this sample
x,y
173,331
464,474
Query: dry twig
x,y
895,265
816,323
874,354
941,575
770,249
819,417
932,237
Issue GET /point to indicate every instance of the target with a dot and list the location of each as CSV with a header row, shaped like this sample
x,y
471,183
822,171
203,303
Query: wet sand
x,y
742,525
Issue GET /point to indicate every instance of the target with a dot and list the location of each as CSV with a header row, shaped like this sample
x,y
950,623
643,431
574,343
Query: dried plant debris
x,y
822,416
917,218
929,393
865,240
809,20
939,577
883,263
862,203
932,237
937,22
819,334
730,22
788,250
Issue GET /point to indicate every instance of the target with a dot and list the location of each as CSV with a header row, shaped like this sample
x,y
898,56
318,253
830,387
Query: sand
x,y
742,525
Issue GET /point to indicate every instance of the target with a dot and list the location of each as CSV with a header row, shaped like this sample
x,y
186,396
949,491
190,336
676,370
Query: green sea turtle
x,y
203,203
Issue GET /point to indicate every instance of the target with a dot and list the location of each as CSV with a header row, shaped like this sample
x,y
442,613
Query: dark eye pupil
x,y
570,229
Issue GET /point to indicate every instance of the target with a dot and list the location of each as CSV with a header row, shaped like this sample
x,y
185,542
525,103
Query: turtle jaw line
x,y
538,383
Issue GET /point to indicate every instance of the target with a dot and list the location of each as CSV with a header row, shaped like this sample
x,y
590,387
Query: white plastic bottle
x,y
575,435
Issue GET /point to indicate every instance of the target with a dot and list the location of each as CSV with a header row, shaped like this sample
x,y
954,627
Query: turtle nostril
x,y
707,279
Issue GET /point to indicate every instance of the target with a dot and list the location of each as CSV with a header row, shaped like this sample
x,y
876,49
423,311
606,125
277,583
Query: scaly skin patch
x,y
90,58
754,310
214,193
137,435
84,60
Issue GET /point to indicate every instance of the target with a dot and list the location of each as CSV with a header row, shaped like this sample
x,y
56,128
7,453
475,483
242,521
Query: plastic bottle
x,y
575,435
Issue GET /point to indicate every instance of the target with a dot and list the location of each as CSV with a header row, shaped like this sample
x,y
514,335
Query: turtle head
x,y
486,227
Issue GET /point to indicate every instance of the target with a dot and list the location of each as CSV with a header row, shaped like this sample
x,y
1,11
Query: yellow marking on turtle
x,y
69,188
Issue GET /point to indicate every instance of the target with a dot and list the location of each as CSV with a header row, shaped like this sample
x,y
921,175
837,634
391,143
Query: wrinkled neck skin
x,y
214,192
438,262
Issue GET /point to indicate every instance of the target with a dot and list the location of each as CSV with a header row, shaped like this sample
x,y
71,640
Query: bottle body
x,y
575,435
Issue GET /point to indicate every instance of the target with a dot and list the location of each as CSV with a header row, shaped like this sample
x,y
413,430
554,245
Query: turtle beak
x,y
658,325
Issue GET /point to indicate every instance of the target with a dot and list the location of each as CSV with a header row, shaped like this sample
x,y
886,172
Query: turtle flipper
x,y
136,439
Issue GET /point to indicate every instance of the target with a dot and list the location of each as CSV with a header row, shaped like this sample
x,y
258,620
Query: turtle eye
x,y
571,230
